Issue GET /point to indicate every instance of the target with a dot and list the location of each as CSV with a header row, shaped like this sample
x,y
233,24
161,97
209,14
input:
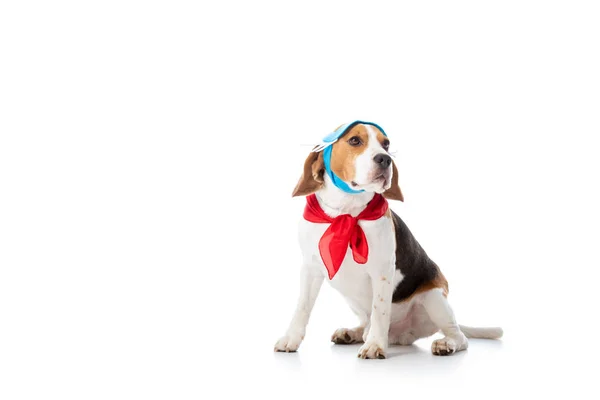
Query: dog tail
x,y
482,333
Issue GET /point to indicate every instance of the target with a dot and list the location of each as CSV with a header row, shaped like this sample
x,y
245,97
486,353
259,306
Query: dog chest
x,y
353,279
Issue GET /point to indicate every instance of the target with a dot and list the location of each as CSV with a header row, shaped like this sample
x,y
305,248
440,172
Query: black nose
x,y
382,160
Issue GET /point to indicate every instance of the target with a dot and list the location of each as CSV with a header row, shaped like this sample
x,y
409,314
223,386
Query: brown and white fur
x,y
399,295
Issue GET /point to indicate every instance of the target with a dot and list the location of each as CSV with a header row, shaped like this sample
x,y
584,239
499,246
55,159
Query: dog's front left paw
x,y
288,343
371,350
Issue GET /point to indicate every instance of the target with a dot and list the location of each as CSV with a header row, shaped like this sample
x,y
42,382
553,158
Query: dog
x,y
350,237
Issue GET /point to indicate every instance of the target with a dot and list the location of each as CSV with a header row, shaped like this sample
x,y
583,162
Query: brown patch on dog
x,y
343,154
439,282
312,176
394,192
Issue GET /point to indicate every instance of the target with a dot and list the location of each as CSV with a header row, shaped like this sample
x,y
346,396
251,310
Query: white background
x,y
147,155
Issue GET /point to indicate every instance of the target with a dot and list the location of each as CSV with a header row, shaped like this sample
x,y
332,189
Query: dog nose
x,y
382,160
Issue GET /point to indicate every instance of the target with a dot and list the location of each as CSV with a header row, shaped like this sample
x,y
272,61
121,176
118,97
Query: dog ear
x,y
394,192
312,176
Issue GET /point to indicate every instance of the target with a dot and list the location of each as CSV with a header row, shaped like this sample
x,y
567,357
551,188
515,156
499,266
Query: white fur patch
x,y
366,170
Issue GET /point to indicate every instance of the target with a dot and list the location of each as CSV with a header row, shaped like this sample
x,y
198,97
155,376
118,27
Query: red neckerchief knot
x,y
344,231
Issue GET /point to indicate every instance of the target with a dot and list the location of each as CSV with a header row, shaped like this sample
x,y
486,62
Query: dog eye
x,y
354,141
386,144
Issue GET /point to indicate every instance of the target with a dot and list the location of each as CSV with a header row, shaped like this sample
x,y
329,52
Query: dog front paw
x,y
288,343
371,350
347,336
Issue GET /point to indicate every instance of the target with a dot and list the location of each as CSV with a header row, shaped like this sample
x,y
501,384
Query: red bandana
x,y
344,231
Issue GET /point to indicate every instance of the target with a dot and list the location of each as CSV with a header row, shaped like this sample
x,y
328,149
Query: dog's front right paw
x,y
288,343
371,350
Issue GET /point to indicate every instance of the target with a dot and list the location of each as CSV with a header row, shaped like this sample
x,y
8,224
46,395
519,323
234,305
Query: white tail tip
x,y
482,333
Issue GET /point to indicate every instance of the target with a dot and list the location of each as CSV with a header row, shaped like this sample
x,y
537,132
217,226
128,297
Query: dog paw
x,y
371,350
288,343
447,345
443,347
347,336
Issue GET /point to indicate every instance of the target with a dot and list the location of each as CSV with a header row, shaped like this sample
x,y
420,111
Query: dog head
x,y
359,158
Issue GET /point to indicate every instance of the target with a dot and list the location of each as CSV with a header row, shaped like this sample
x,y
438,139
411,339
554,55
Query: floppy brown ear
x,y
312,176
394,192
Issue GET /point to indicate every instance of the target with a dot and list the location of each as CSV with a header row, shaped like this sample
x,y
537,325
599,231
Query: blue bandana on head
x,y
326,147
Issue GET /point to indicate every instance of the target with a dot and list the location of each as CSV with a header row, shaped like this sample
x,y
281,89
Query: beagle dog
x,y
350,237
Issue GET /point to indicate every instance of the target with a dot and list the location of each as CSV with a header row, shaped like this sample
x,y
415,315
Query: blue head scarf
x,y
326,147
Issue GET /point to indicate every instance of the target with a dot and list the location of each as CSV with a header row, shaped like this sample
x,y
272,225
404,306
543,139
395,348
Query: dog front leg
x,y
377,339
310,284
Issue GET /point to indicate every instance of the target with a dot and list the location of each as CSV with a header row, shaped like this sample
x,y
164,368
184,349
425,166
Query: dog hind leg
x,y
442,316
